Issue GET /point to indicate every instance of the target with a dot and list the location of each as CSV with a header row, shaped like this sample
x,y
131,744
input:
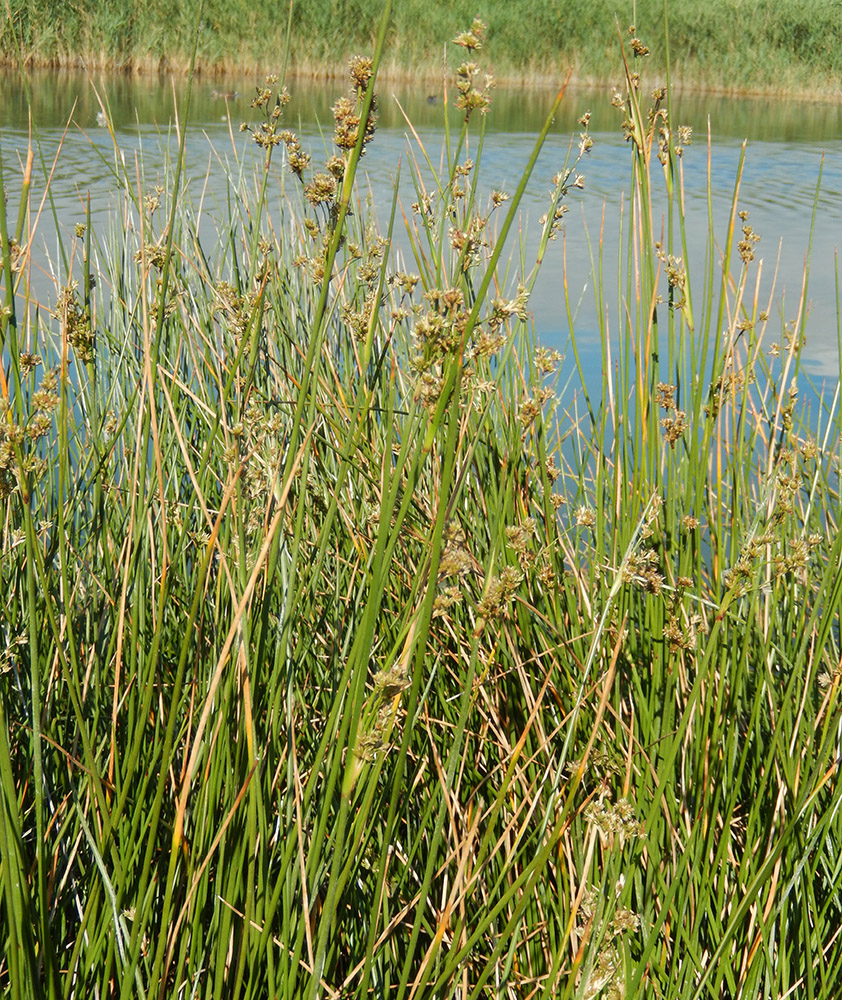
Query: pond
x,y
788,143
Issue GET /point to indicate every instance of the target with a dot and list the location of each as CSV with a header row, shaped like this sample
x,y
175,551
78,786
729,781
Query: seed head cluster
x,y
470,97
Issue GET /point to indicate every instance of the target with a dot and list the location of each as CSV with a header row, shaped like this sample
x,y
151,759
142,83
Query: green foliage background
x,y
723,44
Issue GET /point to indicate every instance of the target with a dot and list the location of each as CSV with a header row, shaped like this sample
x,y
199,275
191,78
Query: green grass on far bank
x,y
342,655
770,46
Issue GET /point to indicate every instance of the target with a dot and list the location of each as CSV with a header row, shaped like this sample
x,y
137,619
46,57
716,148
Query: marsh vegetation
x,y
340,659
751,46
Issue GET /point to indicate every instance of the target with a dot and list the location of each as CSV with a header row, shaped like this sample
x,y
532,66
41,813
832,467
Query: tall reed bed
x,y
771,46
340,659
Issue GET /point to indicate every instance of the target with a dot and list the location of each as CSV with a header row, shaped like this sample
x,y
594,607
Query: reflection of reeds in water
x,y
342,646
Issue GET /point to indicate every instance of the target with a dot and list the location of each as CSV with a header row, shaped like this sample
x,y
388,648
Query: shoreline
x,y
509,78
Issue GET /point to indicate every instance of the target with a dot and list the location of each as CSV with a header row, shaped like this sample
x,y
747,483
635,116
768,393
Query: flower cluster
x,y
675,425
76,323
259,448
347,119
16,458
470,97
614,820
236,309
268,133
456,559
745,248
498,593
389,685
605,976
641,567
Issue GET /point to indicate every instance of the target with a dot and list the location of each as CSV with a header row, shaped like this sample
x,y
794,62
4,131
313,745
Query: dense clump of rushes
x,y
344,656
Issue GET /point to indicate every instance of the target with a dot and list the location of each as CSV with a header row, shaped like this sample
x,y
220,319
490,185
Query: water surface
x,y
787,144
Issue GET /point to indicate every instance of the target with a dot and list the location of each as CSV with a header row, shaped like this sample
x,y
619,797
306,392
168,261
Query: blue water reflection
x,y
778,186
